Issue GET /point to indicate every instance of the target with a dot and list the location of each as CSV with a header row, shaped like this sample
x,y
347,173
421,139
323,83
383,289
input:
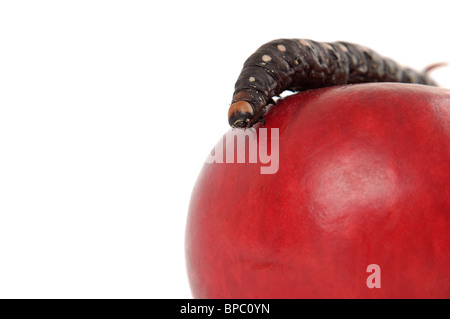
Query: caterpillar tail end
x,y
430,68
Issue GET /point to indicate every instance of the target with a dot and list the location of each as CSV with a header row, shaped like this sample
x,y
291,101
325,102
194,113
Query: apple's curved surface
x,y
362,179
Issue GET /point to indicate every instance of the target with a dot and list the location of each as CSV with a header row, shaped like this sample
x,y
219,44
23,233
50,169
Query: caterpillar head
x,y
240,114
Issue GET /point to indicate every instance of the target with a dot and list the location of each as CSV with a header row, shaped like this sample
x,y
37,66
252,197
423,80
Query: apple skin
x,y
363,178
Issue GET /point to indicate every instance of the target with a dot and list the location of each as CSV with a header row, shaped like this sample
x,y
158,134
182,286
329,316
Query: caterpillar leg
x,y
262,120
267,108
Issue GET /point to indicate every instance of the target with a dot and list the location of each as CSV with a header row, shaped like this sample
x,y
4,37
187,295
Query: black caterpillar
x,y
299,65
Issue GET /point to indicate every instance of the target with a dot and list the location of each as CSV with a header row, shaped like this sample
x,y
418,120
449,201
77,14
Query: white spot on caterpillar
x,y
365,50
281,48
327,46
266,58
252,79
343,47
305,43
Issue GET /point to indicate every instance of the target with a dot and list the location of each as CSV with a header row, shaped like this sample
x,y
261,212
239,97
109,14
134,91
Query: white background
x,y
108,110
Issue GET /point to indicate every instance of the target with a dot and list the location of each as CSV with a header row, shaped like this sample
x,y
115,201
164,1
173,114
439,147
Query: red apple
x,y
363,179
